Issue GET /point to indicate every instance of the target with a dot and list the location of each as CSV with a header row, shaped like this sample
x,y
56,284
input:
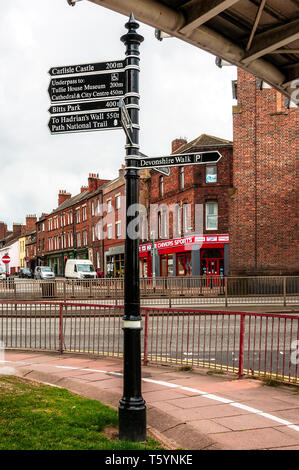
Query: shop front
x,y
115,262
203,255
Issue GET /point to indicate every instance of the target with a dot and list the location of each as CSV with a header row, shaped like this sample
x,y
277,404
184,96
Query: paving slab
x,y
265,438
187,418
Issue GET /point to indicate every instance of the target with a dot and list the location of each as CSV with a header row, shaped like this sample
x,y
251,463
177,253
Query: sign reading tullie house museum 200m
x,y
85,97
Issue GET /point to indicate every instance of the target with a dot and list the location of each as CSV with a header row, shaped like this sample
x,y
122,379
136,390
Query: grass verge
x,y
40,417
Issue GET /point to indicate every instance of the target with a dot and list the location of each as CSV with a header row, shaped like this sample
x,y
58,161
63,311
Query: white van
x,y
79,269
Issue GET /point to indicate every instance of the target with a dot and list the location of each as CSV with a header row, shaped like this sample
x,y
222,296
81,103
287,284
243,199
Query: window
x,y
186,218
92,207
99,208
211,174
161,186
182,177
84,237
117,202
43,227
109,205
84,213
99,230
211,215
118,229
78,239
93,233
70,239
78,216
109,231
178,221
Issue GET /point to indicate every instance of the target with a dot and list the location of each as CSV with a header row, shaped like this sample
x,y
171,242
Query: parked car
x,y
80,269
2,273
26,273
43,272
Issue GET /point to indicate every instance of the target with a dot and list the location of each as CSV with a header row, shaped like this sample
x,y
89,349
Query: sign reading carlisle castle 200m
x,y
80,91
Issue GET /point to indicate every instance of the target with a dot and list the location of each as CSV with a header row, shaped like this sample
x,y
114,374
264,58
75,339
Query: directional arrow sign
x,y
125,119
164,170
97,121
180,159
105,105
112,65
87,87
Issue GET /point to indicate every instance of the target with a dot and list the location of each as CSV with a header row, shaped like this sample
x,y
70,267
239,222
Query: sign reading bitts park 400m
x,y
85,97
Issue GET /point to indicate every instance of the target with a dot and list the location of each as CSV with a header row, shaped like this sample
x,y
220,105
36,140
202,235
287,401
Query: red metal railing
x,y
258,344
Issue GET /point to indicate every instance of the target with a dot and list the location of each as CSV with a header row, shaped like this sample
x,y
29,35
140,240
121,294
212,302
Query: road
x,y
199,340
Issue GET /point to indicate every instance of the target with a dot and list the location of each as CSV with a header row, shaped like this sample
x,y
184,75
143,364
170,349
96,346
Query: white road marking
x,y
193,390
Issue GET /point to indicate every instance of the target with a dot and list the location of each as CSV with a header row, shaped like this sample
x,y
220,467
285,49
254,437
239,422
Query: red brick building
x,y
190,243
65,232
264,204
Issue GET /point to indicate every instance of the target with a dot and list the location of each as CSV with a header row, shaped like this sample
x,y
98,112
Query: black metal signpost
x,y
102,96
132,409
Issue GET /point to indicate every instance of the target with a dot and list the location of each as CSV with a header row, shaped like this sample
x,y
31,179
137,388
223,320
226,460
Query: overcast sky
x,y
183,94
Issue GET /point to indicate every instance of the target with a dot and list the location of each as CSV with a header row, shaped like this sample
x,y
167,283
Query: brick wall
x,y
263,221
196,190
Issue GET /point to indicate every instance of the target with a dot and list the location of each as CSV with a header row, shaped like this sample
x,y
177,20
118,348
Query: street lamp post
x,y
132,409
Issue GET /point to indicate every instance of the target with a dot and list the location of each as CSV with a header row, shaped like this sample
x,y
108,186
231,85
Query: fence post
x,y
60,328
241,348
169,293
64,290
115,292
225,291
145,338
284,291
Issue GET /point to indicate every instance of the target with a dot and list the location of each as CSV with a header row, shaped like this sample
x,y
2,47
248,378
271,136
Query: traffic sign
x,y
180,159
6,259
111,65
87,87
107,104
125,120
97,121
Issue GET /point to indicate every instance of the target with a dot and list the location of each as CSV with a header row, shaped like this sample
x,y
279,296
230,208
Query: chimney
x,y
17,229
84,188
63,196
121,171
177,143
30,222
93,182
3,230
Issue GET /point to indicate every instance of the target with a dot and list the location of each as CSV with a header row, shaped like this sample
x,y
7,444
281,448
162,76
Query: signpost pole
x,y
132,409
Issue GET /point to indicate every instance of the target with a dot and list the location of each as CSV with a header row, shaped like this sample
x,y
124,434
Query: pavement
x,y
185,409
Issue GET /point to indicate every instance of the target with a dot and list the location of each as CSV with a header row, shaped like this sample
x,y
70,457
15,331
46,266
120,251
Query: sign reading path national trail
x,y
85,97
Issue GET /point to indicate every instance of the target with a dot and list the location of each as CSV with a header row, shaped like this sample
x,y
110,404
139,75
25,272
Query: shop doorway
x,y
184,266
212,265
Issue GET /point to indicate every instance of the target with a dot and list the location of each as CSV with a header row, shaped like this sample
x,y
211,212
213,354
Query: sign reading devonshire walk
x,y
85,97
180,159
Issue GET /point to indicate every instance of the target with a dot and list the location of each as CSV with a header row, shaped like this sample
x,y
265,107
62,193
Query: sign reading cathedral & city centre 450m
x,y
85,97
